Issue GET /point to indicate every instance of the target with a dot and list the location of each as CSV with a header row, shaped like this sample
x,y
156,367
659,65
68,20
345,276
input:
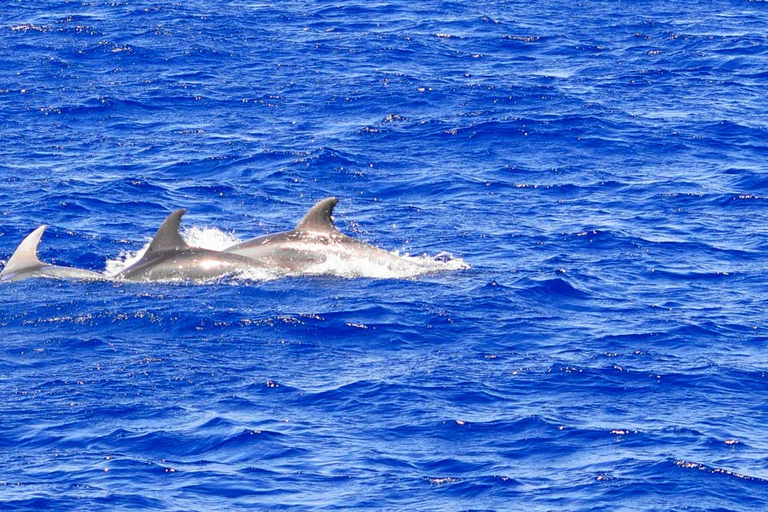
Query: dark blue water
x,y
602,166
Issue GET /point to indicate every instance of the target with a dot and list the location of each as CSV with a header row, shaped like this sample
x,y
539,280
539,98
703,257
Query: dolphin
x,y
24,263
312,242
168,257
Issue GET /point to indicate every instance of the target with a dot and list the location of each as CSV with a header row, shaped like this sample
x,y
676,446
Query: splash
x,y
209,238
341,262
123,260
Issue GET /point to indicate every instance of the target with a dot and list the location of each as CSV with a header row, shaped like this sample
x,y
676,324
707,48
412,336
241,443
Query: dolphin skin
x,y
24,263
168,257
313,240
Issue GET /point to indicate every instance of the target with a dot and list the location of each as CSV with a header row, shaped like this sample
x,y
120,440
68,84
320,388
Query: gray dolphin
x,y
24,263
168,257
311,243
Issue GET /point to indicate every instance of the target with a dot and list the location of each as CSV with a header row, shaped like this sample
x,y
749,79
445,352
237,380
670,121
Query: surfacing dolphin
x,y
311,243
24,263
169,257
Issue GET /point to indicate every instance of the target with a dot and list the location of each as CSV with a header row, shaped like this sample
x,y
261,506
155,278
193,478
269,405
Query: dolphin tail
x,y
318,218
168,237
25,255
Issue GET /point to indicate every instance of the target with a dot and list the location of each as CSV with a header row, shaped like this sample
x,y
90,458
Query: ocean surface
x,y
585,188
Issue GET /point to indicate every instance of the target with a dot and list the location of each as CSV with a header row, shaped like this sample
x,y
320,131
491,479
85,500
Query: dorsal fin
x,y
25,255
318,218
168,237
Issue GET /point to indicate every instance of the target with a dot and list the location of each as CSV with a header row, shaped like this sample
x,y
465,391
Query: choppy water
x,y
601,167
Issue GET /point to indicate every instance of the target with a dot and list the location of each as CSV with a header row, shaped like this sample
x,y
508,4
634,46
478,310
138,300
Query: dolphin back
x,y
318,218
24,263
168,236
24,258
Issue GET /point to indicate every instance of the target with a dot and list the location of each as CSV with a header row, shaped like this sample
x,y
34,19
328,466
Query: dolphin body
x,y
311,243
24,263
168,257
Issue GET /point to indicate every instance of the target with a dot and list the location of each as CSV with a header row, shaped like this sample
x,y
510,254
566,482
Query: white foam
x,y
209,238
124,260
344,261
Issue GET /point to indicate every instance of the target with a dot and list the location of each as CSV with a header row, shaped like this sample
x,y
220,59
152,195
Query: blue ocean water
x,y
600,165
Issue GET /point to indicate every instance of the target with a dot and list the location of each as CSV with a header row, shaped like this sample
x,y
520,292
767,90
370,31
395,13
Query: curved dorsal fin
x,y
168,237
318,218
25,255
